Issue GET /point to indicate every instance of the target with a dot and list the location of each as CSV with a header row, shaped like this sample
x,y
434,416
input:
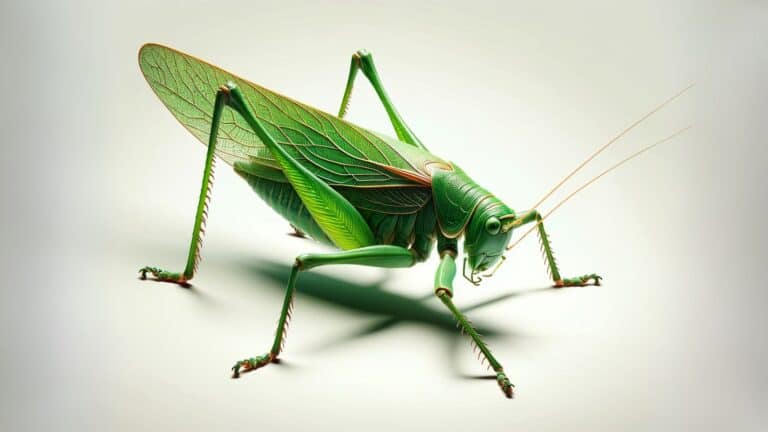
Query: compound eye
x,y
493,225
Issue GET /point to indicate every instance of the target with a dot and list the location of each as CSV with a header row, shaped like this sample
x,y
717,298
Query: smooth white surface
x,y
99,180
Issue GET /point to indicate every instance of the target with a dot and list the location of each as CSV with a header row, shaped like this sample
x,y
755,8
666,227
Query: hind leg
x,y
363,60
193,257
374,256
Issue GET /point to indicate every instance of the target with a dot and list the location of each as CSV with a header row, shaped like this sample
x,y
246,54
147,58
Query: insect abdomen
x,y
416,229
286,202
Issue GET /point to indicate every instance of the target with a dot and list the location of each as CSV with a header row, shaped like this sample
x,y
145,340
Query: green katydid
x,y
381,201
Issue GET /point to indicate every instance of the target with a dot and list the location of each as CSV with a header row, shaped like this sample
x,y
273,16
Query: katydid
x,y
382,202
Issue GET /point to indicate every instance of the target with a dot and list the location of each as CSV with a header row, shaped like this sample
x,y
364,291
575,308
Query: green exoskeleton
x,y
381,201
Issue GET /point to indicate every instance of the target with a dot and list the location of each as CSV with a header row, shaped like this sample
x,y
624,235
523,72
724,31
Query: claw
x,y
251,364
236,370
578,281
163,276
506,387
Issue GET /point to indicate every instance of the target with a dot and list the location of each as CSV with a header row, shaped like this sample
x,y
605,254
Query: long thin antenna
x,y
606,145
582,187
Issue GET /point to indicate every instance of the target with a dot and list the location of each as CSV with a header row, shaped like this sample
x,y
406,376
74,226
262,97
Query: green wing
x,y
336,151
387,200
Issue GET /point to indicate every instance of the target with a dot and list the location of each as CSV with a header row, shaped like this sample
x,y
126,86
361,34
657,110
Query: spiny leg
x,y
282,328
546,248
363,60
375,256
193,257
338,218
444,291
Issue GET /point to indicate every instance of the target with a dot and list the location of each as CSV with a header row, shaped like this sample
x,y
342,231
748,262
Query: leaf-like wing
x,y
336,151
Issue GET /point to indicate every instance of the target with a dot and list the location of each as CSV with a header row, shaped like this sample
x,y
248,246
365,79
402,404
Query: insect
x,y
381,201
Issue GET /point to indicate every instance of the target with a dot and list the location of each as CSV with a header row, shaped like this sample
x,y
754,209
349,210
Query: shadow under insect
x,y
392,308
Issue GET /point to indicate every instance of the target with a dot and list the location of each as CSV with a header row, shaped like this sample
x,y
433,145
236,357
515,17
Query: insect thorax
x,y
457,198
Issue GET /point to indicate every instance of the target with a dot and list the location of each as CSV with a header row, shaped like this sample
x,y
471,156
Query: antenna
x,y
608,144
594,179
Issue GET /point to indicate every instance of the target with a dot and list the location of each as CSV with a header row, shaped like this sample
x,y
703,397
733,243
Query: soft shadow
x,y
373,299
478,377
392,308
365,298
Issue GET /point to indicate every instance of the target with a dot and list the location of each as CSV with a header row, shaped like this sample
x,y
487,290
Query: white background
x,y
98,180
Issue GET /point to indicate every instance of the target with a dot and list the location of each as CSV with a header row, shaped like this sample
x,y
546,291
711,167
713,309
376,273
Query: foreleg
x,y
546,247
